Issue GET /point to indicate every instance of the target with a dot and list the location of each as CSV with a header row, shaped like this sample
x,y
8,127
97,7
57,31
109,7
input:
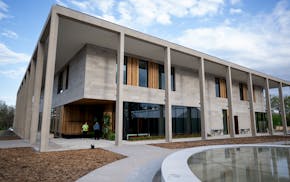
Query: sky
x,y
252,33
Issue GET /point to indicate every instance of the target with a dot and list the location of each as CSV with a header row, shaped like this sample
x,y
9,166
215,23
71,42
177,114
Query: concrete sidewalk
x,y
141,164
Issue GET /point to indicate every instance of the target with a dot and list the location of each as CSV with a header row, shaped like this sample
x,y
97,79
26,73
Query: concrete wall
x,y
93,75
100,74
76,81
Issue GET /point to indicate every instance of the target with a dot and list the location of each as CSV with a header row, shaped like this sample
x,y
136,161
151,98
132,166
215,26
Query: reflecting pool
x,y
242,164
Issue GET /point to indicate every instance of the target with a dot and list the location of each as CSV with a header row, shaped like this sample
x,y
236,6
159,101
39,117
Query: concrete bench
x,y
139,134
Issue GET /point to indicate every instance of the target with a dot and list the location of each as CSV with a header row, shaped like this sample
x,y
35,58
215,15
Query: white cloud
x,y
144,13
9,100
3,6
59,2
264,47
16,73
234,2
8,56
3,10
235,11
10,34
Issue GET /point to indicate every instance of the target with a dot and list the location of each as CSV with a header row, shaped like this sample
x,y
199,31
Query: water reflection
x,y
242,164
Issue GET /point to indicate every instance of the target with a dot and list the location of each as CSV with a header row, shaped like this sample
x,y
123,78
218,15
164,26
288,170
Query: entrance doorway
x,y
236,125
225,121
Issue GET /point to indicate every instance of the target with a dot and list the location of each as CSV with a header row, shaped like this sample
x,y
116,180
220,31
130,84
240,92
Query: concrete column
x,y
230,101
251,103
24,103
36,93
16,112
168,107
119,96
268,106
49,78
29,100
282,109
203,109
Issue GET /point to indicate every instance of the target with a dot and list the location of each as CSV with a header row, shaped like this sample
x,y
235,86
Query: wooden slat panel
x,y
245,92
135,72
153,81
223,89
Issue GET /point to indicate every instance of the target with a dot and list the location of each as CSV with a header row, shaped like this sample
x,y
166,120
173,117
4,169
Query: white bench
x,y
139,134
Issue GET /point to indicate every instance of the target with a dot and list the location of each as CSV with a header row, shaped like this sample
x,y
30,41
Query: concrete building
x,y
85,68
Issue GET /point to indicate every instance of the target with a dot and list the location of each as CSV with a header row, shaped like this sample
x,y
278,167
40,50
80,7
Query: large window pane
x,y
143,73
185,121
143,118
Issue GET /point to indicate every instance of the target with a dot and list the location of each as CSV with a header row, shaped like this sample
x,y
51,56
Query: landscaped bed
x,y
244,140
25,164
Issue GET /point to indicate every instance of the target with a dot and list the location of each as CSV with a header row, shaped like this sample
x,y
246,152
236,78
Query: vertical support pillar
x,y
36,93
230,101
203,111
29,100
24,104
251,103
49,78
168,108
119,96
268,106
282,109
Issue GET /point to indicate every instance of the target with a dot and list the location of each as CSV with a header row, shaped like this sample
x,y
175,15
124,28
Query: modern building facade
x,y
84,68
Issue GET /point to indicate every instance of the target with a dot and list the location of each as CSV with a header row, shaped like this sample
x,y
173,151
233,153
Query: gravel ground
x,y
244,140
25,164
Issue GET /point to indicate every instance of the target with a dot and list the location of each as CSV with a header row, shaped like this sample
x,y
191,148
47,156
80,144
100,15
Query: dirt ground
x,y
24,164
246,140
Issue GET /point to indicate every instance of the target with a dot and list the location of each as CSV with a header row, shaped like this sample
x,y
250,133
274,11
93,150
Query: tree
x,y
6,115
275,105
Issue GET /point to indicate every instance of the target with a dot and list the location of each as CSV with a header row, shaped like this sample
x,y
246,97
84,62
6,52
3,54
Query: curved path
x,y
141,164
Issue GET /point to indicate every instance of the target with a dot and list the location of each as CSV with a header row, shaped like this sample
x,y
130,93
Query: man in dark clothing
x,y
97,130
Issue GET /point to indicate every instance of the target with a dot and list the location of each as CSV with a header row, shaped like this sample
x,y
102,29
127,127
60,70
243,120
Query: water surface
x,y
252,164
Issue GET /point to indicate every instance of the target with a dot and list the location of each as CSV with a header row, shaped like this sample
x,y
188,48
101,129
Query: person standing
x,y
85,129
97,130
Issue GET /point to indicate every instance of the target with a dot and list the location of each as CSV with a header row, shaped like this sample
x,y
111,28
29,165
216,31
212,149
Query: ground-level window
x,y
142,119
185,121
261,122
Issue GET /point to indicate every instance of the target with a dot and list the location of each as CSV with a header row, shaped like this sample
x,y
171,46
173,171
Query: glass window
x,y
143,118
59,83
217,87
125,70
185,121
241,92
67,75
261,122
143,73
172,79
162,78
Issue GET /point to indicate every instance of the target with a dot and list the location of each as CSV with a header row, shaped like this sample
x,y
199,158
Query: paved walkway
x,y
141,164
